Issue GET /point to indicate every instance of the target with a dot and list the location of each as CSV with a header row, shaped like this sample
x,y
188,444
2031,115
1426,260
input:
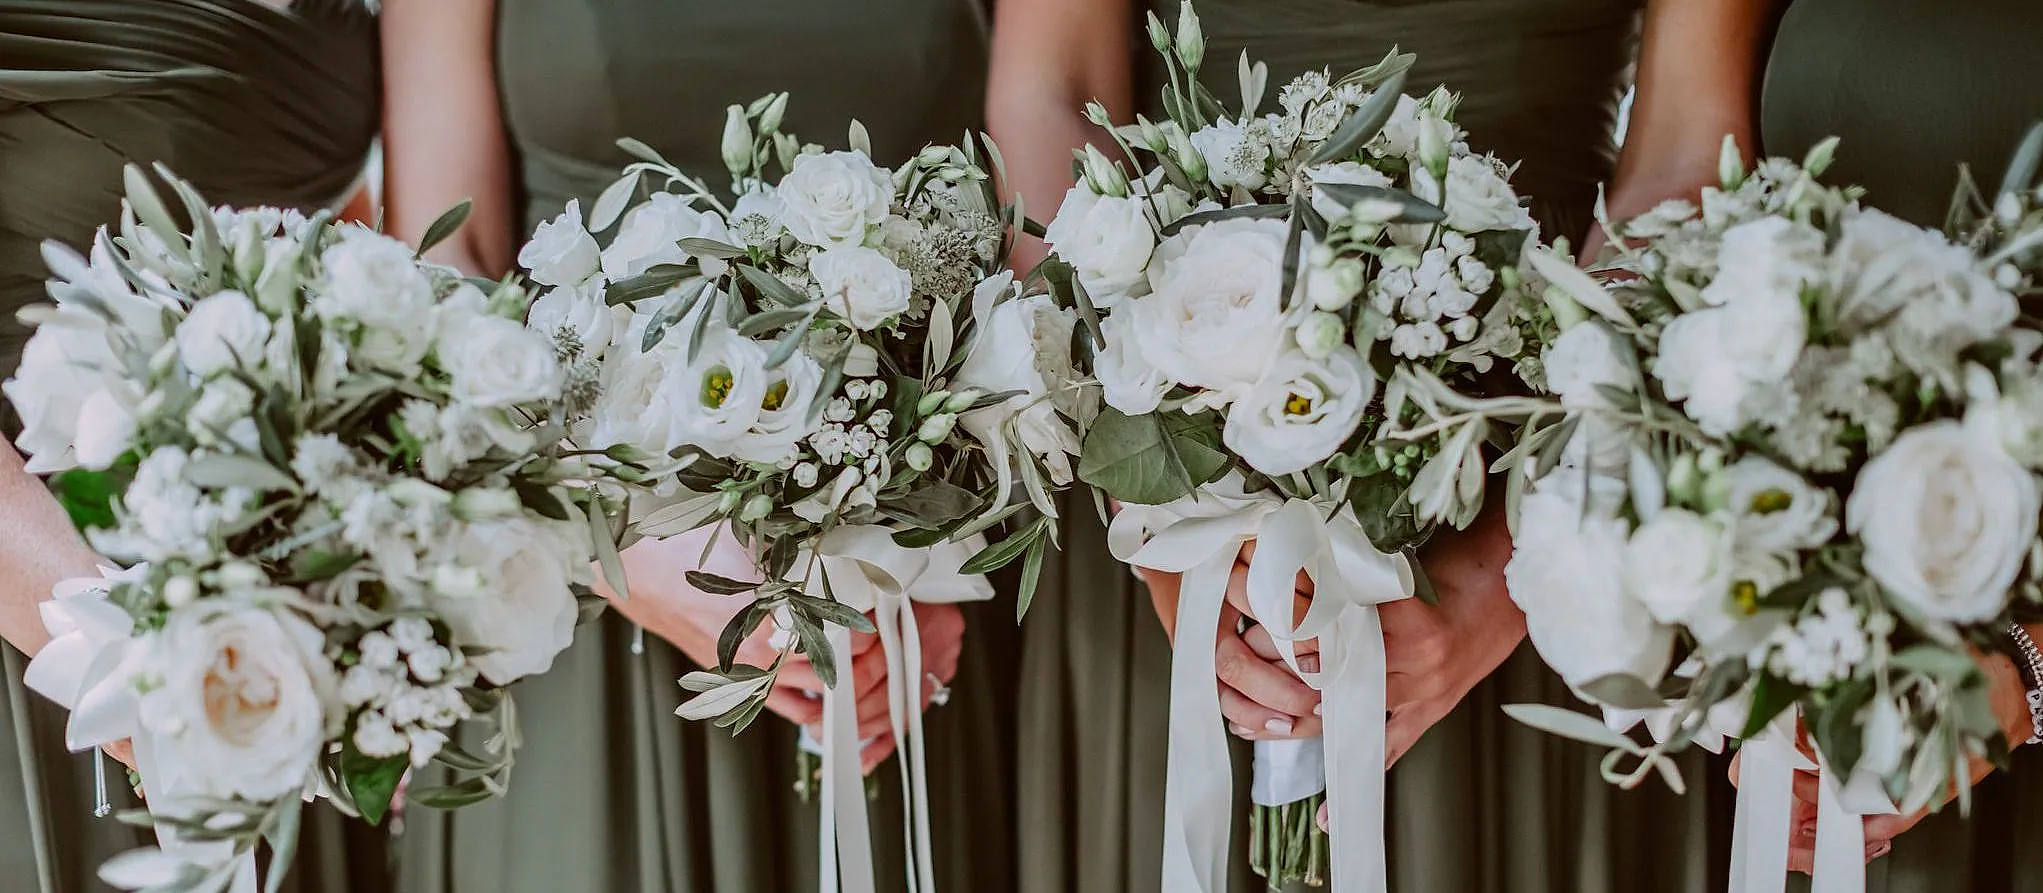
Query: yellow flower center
x,y
716,387
1766,502
1297,405
1746,594
776,394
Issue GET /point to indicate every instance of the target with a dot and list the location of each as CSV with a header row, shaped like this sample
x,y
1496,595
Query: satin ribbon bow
x,y
1763,819
868,572
1200,537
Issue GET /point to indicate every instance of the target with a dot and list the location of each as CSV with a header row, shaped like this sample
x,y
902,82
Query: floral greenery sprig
x,y
331,469
1798,474
839,346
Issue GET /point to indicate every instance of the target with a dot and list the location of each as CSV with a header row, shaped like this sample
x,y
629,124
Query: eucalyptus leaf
x,y
1364,123
1259,212
443,226
1569,724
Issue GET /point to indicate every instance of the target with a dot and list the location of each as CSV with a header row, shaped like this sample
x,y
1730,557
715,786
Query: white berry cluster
x,y
407,687
1828,644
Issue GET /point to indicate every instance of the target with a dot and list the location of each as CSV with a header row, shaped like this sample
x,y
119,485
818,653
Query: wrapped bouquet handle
x,y
1763,819
1200,536
867,571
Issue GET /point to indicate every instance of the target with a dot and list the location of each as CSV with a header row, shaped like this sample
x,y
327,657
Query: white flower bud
x,y
2007,276
935,428
920,457
737,146
756,508
805,475
932,156
477,503
1819,157
931,401
1102,175
1400,256
180,591
239,575
2008,208
962,399
769,120
1730,164
1159,36
1319,334
1684,481
876,390
1191,38
728,503
1187,155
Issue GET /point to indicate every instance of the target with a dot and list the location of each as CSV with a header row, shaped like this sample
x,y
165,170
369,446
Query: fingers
x,y
1237,597
1255,722
1303,584
1307,650
868,671
875,751
1267,684
1401,732
1324,824
123,751
1802,857
797,707
1734,768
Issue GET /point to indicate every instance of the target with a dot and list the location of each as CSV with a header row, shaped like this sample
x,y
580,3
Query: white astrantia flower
x,y
1024,344
525,613
1236,154
221,332
1301,412
755,218
237,700
861,285
1567,572
834,199
1947,519
562,253
583,312
1107,239
1214,317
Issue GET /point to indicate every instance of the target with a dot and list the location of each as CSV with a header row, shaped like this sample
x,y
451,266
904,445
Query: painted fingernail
x,y
1806,831
1280,726
1308,664
1316,709
1881,849
1240,731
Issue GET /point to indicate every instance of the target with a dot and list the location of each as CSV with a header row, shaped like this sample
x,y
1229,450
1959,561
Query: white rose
x,y
1127,381
374,280
651,235
497,362
221,332
784,411
526,612
562,253
1345,172
66,362
833,199
238,700
1567,573
1947,519
1725,361
1214,317
1586,358
1301,412
1024,344
1475,195
861,285
1235,155
583,311
1772,258
1940,298
1777,511
1107,239
1679,566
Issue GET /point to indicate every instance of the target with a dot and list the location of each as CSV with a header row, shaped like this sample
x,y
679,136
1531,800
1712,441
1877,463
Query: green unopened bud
x,y
937,427
728,502
1684,480
756,508
769,120
962,399
1400,256
1509,278
1191,39
1187,155
1153,137
164,359
931,401
1436,138
1819,157
1320,333
1097,114
1730,164
1103,175
1159,36
920,457
1566,312
737,146
932,156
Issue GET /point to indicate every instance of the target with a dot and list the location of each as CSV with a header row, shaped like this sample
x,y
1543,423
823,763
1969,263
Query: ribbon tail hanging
x,y
912,749
1198,788
1354,701
1764,814
1840,842
846,835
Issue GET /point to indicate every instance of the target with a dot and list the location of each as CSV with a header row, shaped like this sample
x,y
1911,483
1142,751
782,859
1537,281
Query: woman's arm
x,y
38,548
443,137
1051,57
1700,64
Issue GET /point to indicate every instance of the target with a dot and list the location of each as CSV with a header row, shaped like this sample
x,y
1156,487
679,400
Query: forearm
x,y
38,548
443,136
662,601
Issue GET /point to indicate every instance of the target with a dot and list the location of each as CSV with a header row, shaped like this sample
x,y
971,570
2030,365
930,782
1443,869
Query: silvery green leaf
x,y
610,205
1412,209
702,680
1648,485
1364,123
723,698
283,840
771,287
149,207
459,759
1254,79
1294,246
1578,285
2021,170
791,340
769,320
639,149
651,284
1204,217
719,585
1569,724
1686,296
701,329
454,796
1623,691
936,351
443,226
1392,62
219,472
859,141
815,643
711,248
828,611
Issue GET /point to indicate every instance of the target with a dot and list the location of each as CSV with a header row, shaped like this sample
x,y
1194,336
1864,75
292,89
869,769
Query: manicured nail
x,y
1881,849
1240,731
1280,726
1806,831
1316,708
1308,664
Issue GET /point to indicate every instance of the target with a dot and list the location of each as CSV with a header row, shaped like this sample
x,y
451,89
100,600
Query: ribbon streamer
x,y
1200,537
1765,811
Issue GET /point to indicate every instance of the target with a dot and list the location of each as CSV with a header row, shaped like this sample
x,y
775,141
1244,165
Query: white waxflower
x,y
411,634
1822,647
375,736
861,285
1417,340
562,253
838,410
651,236
805,474
222,402
834,199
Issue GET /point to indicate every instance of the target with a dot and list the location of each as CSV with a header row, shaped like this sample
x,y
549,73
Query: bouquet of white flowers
x,y
1251,288
1798,480
328,469
838,366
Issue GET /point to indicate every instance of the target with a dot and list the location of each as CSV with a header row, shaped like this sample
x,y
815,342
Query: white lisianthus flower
x,y
1778,512
526,612
1567,573
106,429
651,235
1127,381
833,199
721,395
1024,344
1214,317
1301,412
65,364
1400,134
861,285
1107,239
1586,358
584,312
499,363
221,332
1679,566
1346,172
237,700
784,414
562,253
1947,519
1474,194
1236,155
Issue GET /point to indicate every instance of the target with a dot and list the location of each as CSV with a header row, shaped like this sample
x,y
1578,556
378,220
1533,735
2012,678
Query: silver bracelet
x,y
2029,661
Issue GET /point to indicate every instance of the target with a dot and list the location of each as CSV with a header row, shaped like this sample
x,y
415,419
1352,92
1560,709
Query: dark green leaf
x,y
816,644
769,320
770,287
313,565
1364,123
88,496
649,284
932,504
454,796
540,499
1770,695
734,632
828,611
371,781
444,226
1259,212
1294,245
711,248
1623,691
1031,576
1000,554
718,585
1151,459
672,312
1412,209
1422,582
1835,726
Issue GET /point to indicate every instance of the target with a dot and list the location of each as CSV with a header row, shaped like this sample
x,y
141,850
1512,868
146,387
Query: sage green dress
x,y
1915,89
613,793
253,104
1482,805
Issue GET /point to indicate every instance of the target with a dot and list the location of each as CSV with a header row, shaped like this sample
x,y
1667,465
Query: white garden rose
x,y
833,199
651,235
1127,380
1679,566
784,411
373,280
1474,194
222,331
1236,155
1024,344
1107,239
1301,412
562,253
1346,172
582,311
1214,317
237,699
1567,573
1777,511
861,285
1940,298
526,611
1772,258
642,398
497,362
1585,359
1947,519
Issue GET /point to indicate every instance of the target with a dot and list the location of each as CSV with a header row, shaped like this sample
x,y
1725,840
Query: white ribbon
x,y
1763,820
868,572
1200,537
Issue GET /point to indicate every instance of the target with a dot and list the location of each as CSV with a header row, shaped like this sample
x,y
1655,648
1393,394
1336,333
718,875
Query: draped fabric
x,y
254,105
1482,805
612,792
1914,90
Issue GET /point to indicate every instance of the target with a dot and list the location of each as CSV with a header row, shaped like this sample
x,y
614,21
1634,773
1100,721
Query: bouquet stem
x,y
1286,845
